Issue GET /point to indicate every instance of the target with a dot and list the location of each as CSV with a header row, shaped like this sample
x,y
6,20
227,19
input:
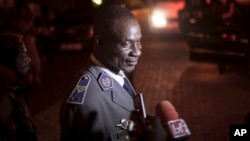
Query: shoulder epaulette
x,y
105,81
78,94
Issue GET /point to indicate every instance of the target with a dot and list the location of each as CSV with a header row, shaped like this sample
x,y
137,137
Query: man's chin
x,y
129,69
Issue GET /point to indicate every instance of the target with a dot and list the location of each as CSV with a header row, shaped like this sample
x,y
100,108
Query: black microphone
x,y
139,105
137,122
173,125
143,127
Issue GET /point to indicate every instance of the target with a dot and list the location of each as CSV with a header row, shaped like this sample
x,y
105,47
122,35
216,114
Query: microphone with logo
x,y
173,125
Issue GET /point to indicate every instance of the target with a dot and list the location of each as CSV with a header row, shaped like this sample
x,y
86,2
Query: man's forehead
x,y
126,26
125,37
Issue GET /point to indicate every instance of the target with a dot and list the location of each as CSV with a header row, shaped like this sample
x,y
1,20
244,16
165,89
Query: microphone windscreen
x,y
166,111
177,128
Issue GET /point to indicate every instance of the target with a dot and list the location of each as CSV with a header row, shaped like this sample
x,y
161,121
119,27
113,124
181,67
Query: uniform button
x,y
126,137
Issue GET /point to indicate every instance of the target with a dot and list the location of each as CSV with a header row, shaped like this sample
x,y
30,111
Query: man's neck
x,y
97,61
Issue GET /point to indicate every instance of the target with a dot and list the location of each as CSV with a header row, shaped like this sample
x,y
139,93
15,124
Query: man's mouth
x,y
131,63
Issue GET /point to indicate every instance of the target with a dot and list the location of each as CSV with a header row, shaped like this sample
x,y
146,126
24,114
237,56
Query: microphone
x,y
137,122
140,125
143,127
173,125
139,105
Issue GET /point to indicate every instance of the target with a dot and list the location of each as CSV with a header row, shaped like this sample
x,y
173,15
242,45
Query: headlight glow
x,y
158,19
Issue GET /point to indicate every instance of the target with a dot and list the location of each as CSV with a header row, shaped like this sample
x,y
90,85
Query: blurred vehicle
x,y
225,42
135,4
163,15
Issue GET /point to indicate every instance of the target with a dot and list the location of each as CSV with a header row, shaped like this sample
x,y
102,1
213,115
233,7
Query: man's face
x,y
122,50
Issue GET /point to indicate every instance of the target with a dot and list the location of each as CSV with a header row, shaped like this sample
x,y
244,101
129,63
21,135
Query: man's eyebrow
x,y
134,39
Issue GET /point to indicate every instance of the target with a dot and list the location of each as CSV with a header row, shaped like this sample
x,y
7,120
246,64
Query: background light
x,y
158,19
97,2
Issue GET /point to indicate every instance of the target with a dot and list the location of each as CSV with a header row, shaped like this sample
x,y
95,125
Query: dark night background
x,y
208,90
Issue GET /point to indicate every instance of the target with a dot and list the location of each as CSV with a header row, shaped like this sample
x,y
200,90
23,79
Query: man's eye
x,y
138,42
125,44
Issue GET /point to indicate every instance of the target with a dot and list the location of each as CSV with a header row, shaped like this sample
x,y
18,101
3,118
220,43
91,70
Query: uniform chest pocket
x,y
119,136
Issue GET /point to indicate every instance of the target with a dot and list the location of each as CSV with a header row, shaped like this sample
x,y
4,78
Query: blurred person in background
x,y
20,19
15,120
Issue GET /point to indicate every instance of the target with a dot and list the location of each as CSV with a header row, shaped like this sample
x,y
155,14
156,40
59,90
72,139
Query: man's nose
x,y
136,49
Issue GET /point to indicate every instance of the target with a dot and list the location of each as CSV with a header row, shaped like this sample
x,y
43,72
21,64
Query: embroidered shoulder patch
x,y
78,94
105,81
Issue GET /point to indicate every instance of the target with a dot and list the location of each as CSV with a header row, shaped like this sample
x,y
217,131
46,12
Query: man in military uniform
x,y
100,104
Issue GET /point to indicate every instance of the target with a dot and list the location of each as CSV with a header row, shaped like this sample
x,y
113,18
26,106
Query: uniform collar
x,y
118,77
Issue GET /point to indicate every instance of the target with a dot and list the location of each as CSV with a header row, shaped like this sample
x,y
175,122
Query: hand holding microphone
x,y
177,128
